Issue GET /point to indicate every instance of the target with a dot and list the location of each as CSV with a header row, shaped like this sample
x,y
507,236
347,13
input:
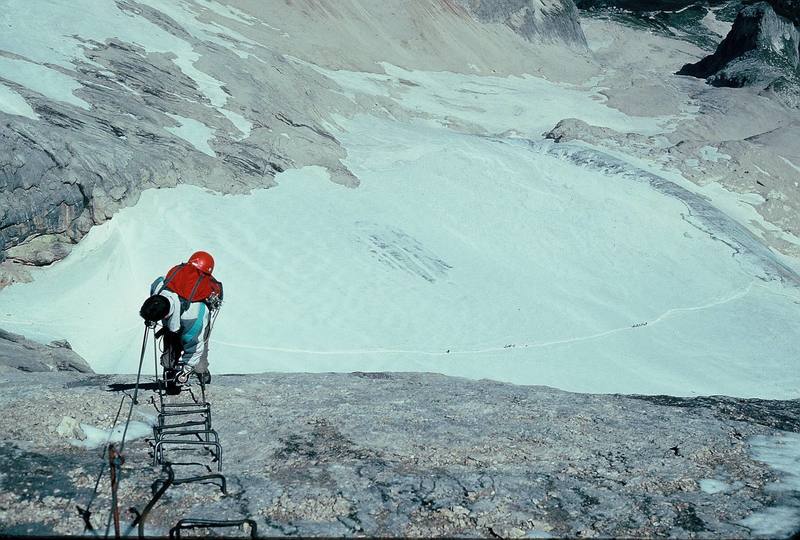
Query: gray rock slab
x,y
409,454
19,353
554,20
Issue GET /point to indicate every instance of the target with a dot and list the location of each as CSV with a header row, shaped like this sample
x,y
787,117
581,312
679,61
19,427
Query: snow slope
x,y
468,254
524,266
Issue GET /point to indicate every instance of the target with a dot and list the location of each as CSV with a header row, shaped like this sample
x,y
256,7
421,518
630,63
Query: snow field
x,y
526,268
526,105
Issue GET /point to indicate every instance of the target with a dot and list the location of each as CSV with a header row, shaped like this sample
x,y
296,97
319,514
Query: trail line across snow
x,y
729,298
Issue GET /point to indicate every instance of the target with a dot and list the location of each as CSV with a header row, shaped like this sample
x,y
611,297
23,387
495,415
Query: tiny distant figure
x,y
186,301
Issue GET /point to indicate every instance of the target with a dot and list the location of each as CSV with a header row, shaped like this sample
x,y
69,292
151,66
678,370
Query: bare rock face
x,y
553,20
410,455
762,48
789,9
25,355
651,6
685,20
223,100
74,168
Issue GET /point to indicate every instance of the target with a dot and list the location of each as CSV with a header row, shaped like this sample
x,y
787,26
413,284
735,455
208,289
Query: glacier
x,y
461,254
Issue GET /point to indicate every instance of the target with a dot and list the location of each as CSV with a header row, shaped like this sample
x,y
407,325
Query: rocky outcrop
x,y
762,48
72,168
700,22
651,6
552,20
219,98
789,9
411,455
22,354
761,165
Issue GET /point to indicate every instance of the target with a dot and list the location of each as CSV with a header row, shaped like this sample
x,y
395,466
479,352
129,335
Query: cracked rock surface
x,y
409,454
17,352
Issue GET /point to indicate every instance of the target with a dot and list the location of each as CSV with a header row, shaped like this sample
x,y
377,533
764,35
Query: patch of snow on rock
x,y
13,103
710,153
81,22
96,437
195,133
228,12
709,485
710,21
43,80
781,453
496,104
240,122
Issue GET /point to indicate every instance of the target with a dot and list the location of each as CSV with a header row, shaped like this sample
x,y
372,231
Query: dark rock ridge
x,y
679,19
789,9
650,6
22,354
762,48
411,455
552,20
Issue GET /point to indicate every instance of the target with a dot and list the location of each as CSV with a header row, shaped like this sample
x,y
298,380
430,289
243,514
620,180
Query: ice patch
x,y
710,21
711,486
43,80
195,133
240,122
228,12
539,534
781,453
527,104
774,522
96,437
13,103
711,153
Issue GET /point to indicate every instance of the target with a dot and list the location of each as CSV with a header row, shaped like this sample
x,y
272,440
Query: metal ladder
x,y
186,426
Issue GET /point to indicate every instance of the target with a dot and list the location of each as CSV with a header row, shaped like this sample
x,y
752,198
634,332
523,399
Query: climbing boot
x,y
203,376
170,386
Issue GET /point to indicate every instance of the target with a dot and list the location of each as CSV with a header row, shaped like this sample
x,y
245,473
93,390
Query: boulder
x,y
26,355
70,428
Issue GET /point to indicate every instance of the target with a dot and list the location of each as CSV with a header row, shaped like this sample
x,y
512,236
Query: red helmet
x,y
203,261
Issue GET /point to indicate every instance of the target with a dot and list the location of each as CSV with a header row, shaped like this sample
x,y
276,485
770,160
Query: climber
x,y
186,301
